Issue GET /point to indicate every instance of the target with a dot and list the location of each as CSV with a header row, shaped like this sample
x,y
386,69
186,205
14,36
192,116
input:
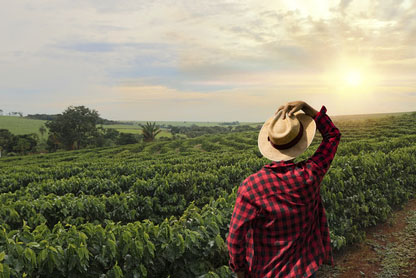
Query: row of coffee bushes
x,y
358,192
93,191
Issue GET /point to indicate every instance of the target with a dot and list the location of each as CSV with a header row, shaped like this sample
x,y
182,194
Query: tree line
x,y
79,127
12,144
195,130
76,128
52,117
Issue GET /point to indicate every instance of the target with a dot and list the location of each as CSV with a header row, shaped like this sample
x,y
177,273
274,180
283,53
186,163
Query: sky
x,y
188,60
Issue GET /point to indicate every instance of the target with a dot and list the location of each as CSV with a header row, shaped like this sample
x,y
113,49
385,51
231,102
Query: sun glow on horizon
x,y
350,76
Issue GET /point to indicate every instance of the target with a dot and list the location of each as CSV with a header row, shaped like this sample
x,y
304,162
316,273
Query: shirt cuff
x,y
320,114
236,269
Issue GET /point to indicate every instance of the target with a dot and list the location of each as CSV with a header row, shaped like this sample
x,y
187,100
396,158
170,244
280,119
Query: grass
x,y
18,125
399,256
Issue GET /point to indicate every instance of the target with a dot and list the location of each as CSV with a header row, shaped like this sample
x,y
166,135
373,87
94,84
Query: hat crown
x,y
275,137
283,131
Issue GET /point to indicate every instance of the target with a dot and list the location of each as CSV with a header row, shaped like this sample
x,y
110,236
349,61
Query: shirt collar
x,y
276,164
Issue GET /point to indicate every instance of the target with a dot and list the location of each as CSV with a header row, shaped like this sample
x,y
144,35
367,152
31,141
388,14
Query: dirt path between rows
x,y
389,250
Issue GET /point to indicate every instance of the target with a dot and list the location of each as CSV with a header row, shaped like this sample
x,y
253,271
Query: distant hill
x,y
51,117
21,125
44,117
32,123
367,116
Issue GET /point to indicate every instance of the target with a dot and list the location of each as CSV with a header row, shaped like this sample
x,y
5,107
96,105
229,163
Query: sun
x,y
353,78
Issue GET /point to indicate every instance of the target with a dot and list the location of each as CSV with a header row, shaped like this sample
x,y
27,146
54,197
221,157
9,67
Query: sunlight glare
x,y
349,76
353,78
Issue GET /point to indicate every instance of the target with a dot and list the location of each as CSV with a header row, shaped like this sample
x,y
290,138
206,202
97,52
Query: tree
x,y
52,143
6,140
106,137
111,133
42,130
17,143
22,145
25,143
150,130
75,128
127,138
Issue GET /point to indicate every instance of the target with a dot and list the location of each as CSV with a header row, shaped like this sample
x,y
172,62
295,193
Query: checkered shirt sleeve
x,y
244,212
331,135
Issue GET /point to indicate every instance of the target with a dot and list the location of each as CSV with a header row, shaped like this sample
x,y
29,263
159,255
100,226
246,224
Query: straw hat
x,y
285,139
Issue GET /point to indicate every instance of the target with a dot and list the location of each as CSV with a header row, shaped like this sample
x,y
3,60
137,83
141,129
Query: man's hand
x,y
294,106
241,274
291,107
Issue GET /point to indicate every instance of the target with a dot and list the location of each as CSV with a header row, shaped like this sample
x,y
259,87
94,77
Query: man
x,y
278,228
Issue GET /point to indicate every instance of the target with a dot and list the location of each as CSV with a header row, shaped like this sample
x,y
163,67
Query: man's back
x,y
279,227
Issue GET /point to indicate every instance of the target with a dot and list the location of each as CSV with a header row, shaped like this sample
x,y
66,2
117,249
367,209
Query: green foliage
x,y
196,130
127,138
42,130
74,127
6,139
162,209
149,131
17,143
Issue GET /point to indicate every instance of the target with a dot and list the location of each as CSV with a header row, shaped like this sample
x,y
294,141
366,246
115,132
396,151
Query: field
x,y
186,123
135,129
161,209
18,126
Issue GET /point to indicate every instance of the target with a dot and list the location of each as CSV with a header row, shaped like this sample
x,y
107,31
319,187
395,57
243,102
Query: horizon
x,y
240,122
208,61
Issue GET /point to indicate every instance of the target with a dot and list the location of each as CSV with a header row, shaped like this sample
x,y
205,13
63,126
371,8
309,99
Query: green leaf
x,y
43,255
5,271
151,248
33,244
112,246
143,270
139,247
219,242
30,256
53,249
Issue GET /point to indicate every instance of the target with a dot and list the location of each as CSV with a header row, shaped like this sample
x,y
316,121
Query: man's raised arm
x,y
330,140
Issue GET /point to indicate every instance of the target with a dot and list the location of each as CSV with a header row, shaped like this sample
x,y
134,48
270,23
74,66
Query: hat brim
x,y
268,151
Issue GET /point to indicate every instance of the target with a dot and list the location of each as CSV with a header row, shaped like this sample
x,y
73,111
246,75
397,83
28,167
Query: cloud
x,y
88,46
226,55
343,5
91,47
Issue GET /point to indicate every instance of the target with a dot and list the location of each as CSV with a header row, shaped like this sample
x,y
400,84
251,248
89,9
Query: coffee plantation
x,y
162,209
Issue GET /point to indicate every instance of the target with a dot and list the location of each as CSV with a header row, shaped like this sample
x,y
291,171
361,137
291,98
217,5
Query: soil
x,y
389,250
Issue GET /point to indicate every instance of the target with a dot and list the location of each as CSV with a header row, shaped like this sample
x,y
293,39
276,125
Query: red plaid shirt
x,y
278,227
